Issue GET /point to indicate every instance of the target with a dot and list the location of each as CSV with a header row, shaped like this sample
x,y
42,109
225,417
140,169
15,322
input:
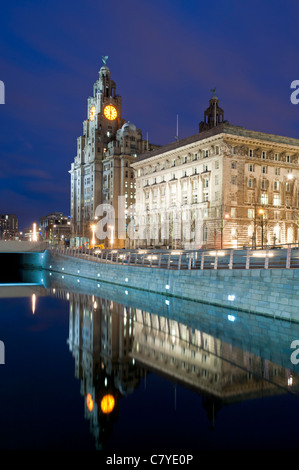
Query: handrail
x,y
191,259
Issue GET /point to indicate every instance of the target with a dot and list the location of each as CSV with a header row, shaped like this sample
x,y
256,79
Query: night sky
x,y
164,55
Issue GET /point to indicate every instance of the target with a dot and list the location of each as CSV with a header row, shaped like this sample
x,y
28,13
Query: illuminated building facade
x,y
8,227
55,228
223,187
101,170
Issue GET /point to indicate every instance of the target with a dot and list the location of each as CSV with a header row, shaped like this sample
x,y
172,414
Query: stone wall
x,y
272,292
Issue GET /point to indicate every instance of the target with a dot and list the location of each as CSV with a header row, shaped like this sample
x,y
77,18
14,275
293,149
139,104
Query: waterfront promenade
x,y
241,279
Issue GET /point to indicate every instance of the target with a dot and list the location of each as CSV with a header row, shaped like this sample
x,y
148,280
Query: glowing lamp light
x,y
93,229
231,318
33,299
89,402
107,404
34,234
218,253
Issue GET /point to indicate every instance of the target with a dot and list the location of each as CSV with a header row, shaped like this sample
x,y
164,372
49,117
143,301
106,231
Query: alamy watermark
x,y
2,353
2,92
295,94
294,358
177,223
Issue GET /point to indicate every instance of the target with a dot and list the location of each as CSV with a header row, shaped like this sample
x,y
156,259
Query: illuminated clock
x,y
92,113
110,112
107,404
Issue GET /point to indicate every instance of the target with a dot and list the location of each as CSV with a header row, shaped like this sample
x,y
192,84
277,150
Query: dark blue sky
x,y
164,55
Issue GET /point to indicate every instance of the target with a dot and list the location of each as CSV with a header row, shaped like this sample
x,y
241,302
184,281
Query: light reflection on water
x,y
143,364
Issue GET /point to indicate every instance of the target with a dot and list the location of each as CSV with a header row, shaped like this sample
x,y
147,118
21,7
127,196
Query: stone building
x,y
223,187
101,170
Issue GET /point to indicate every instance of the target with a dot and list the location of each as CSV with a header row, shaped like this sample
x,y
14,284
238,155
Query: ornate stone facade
x,y
224,187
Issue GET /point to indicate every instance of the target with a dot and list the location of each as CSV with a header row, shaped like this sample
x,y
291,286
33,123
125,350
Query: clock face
x,y
92,113
110,112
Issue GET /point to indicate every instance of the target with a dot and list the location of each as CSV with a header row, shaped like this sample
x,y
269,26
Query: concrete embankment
x,y
270,292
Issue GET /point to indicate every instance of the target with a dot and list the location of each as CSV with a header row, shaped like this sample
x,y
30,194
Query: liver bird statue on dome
x,y
213,90
104,59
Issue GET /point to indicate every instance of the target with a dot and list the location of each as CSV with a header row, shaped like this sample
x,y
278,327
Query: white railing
x,y
188,259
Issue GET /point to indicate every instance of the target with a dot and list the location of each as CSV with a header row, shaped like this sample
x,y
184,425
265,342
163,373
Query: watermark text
x,y
2,92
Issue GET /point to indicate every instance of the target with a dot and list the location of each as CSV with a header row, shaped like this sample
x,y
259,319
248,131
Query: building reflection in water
x,y
114,347
101,335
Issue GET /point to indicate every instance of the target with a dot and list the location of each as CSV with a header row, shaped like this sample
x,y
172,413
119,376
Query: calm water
x,y
182,375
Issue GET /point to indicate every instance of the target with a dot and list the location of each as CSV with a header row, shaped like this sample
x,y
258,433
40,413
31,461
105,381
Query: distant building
x,y
8,227
55,228
101,171
223,187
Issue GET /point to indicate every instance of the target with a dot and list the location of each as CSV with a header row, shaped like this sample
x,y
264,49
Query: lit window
x,y
264,198
276,185
276,200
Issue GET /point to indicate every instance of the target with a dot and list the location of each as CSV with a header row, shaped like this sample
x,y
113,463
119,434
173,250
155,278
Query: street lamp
x,y
93,228
261,212
34,234
225,217
111,239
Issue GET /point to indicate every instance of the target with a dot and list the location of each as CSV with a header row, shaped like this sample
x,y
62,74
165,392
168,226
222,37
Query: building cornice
x,y
223,131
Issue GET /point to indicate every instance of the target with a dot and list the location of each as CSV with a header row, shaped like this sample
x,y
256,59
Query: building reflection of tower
x,y
100,339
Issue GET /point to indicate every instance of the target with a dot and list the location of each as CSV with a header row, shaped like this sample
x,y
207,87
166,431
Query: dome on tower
x,y
128,127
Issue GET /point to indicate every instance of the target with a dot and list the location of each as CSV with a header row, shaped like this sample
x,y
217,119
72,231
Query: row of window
x,y
276,156
162,166
265,184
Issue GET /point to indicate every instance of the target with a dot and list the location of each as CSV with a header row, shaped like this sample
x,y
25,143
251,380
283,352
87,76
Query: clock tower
x,y
99,129
101,171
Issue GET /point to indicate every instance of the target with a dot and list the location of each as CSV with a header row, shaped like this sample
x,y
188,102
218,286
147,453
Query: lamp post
x,y
223,218
34,234
93,228
261,212
111,238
